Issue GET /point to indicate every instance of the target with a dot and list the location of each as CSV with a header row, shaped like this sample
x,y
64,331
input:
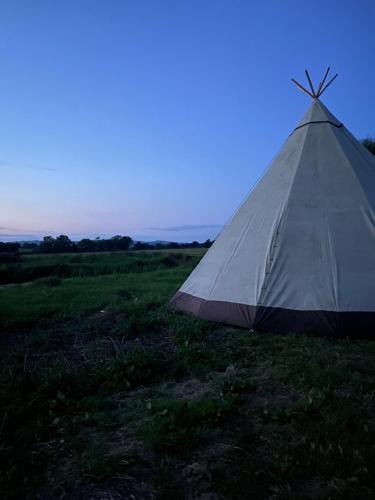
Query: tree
x,y
9,252
11,247
369,143
87,245
140,246
126,242
30,245
173,245
120,242
63,243
48,244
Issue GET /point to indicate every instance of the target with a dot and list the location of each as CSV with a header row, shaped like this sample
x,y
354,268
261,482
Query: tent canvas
x,y
299,253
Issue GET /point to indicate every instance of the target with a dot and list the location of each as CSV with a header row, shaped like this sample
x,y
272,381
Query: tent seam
x,y
232,218
347,162
276,233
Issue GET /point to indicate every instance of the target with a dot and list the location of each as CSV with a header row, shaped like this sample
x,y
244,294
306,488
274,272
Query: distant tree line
x,y
141,245
9,252
63,244
9,247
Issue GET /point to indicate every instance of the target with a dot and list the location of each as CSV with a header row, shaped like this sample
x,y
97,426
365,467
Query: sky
x,y
154,118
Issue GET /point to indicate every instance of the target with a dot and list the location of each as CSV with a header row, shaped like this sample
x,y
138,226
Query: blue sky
x,y
154,118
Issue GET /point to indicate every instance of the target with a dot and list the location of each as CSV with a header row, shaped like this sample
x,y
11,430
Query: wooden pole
x,y
328,84
322,82
310,83
301,87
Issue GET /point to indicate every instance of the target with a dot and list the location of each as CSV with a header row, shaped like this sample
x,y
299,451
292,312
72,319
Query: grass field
x,y
107,393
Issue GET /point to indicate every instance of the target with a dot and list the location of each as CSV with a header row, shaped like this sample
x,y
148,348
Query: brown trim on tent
x,y
277,319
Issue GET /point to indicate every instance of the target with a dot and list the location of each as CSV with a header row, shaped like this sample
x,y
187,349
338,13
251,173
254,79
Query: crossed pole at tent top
x,y
315,94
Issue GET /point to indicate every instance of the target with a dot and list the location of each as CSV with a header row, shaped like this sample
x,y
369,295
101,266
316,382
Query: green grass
x,y
107,392
93,264
183,425
153,276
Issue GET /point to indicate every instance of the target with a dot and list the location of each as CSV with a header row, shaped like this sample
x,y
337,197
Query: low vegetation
x,y
35,267
106,392
369,143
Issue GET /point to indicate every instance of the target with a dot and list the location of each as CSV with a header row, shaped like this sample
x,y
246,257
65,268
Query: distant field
x,y
73,265
189,251
105,392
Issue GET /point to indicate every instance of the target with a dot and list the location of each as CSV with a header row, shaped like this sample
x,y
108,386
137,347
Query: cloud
x,y
14,234
19,237
3,228
186,227
8,164
49,169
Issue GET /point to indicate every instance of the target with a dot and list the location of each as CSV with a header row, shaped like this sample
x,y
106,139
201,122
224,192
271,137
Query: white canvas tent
x,y
299,253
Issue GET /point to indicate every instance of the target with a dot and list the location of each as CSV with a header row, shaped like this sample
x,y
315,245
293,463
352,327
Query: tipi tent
x,y
299,253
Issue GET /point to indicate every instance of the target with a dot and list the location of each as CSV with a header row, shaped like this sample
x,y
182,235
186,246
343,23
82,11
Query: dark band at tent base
x,y
353,324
